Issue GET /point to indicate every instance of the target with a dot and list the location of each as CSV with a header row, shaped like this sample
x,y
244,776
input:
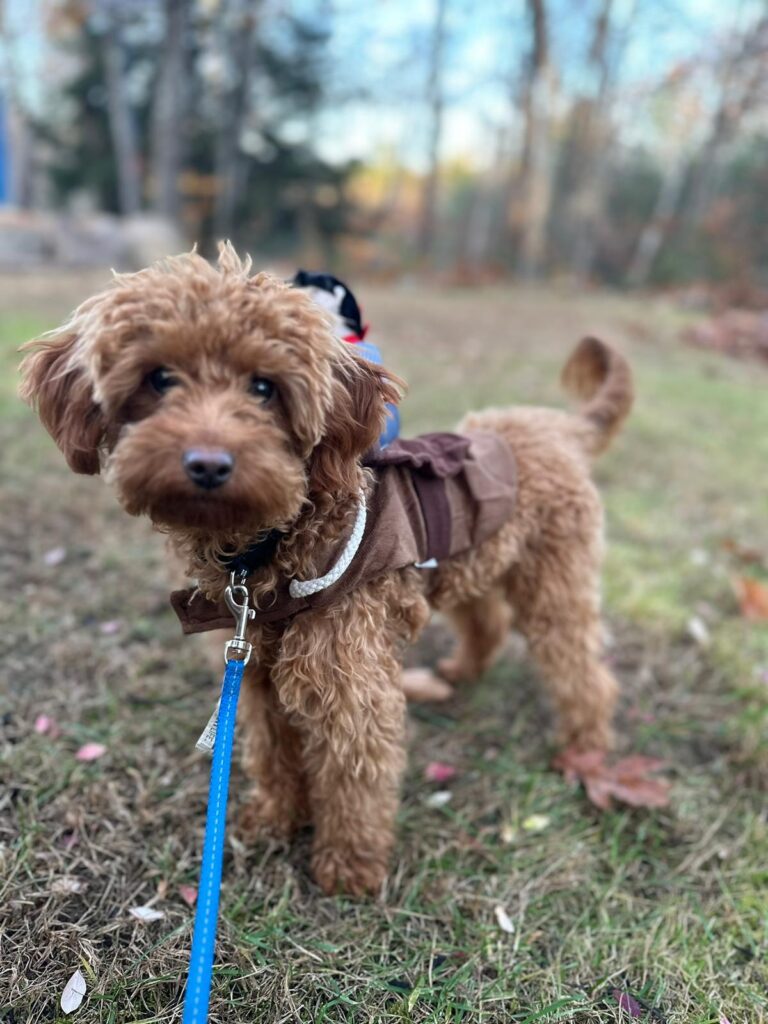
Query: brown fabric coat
x,y
434,497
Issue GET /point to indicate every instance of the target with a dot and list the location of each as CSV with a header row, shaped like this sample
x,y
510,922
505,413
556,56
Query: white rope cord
x,y
303,588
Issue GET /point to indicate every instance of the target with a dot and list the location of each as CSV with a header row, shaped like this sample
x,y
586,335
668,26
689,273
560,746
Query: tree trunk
x,y
654,233
587,196
535,184
20,157
228,158
436,104
740,85
121,125
586,174
743,78
168,112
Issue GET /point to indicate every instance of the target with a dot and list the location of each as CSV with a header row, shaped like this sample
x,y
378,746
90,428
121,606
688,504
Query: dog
x,y
221,405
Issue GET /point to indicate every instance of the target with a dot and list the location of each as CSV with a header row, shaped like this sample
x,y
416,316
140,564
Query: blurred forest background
x,y
622,142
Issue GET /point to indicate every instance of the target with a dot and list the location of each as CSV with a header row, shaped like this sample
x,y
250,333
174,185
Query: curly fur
x,y
323,702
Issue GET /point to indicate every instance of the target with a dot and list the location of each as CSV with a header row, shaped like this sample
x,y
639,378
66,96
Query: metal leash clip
x,y
242,614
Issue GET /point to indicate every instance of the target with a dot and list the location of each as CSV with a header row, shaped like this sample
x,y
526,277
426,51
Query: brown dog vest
x,y
434,497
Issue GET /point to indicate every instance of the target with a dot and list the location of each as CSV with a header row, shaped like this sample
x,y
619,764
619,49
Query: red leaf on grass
x,y
90,752
628,1003
438,771
47,726
752,596
189,894
630,780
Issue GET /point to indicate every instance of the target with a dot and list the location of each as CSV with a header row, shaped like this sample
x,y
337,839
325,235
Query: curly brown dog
x,y
186,358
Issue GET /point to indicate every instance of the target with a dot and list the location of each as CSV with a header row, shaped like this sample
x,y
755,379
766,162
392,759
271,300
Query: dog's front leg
x,y
277,804
339,676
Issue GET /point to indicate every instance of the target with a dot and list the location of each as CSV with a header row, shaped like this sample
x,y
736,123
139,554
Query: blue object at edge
x,y
204,939
392,426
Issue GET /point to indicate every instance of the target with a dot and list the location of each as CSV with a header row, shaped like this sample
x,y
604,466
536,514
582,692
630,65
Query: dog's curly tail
x,y
601,378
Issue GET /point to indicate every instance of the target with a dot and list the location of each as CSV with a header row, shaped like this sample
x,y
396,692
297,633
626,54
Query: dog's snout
x,y
208,469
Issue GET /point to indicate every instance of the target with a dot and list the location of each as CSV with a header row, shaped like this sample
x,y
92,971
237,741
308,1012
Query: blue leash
x,y
198,989
201,959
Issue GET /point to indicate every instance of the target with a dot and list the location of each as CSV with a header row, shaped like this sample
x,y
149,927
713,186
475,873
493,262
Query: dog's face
x,y
212,399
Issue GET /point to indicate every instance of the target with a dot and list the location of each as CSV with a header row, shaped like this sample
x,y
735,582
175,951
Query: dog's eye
x,y
262,388
161,380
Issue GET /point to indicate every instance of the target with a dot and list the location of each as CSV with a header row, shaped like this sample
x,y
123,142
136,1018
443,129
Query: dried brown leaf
x,y
752,596
629,780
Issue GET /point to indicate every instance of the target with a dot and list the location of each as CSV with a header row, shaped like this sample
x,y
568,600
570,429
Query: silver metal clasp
x,y
236,596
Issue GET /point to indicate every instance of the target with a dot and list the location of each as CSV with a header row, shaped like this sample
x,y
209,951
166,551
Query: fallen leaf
x,y
752,596
698,630
111,626
439,799
55,556
66,885
536,823
507,833
504,920
47,726
74,992
438,771
629,780
189,894
628,1003
90,752
146,913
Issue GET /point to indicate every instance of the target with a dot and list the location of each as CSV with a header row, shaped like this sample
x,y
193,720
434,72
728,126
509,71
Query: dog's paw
x,y
587,737
456,671
421,685
339,871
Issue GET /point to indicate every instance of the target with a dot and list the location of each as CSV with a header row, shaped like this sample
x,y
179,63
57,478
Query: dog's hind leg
x,y
557,610
481,625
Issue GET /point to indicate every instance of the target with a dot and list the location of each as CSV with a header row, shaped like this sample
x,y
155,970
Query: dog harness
x,y
433,497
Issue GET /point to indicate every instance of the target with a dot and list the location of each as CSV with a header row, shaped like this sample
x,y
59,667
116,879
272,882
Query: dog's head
x,y
212,399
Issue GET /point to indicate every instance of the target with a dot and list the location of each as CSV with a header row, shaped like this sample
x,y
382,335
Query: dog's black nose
x,y
208,469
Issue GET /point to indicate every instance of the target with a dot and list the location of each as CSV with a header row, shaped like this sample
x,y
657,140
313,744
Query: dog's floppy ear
x,y
59,388
354,423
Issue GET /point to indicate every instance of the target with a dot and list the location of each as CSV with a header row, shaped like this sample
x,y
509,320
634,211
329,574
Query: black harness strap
x,y
256,556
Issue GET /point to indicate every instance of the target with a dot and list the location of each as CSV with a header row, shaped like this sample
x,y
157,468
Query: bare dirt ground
x,y
648,915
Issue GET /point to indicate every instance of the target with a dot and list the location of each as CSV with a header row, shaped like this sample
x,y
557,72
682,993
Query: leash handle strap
x,y
204,939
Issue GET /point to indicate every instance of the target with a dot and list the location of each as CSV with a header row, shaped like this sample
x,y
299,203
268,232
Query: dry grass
x,y
669,906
